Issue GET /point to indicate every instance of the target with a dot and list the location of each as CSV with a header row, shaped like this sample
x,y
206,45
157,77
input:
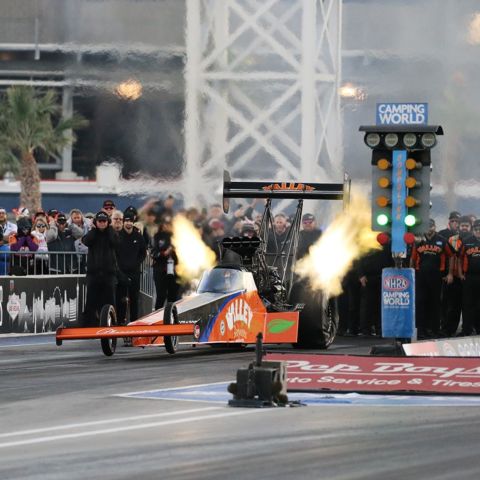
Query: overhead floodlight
x,y
391,139
428,140
409,140
372,140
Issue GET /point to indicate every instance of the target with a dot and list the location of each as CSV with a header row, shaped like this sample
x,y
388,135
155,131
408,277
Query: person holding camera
x,y
61,245
102,267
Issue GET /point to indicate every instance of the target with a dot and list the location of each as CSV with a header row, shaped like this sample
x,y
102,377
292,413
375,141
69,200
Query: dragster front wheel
x,y
170,317
108,318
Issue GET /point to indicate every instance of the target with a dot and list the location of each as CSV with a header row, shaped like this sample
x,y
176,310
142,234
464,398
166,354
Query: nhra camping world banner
x,y
40,304
398,302
355,373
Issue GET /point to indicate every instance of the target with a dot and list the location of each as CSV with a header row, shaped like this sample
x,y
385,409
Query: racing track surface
x,y
61,418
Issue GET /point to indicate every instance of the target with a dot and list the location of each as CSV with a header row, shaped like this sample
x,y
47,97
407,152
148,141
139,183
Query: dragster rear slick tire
x,y
318,322
108,318
170,317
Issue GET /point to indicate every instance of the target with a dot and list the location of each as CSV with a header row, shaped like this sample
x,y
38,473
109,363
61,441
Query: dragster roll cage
x,y
284,257
289,190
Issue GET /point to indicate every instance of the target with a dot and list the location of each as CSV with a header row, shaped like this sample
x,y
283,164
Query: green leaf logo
x,y
279,325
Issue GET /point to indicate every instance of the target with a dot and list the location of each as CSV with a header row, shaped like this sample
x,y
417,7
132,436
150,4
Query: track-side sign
x,y
398,302
446,347
349,373
402,113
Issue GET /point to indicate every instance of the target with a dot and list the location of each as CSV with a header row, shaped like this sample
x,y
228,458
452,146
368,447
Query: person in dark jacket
x,y
433,260
469,272
102,267
164,262
370,275
309,234
60,240
131,252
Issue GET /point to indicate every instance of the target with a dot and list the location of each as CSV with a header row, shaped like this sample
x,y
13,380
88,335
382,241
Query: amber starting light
x,y
382,201
412,164
384,164
411,202
411,182
384,182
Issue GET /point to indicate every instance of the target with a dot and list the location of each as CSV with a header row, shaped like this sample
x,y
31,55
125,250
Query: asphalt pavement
x,y
70,413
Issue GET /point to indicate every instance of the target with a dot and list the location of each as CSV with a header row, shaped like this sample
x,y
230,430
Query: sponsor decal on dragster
x,y
204,337
244,316
288,186
387,374
279,325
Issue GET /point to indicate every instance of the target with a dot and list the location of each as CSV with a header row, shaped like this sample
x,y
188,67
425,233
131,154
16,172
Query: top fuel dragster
x,y
252,290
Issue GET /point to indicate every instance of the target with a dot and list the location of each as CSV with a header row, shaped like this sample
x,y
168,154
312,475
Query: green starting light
x,y
410,220
382,219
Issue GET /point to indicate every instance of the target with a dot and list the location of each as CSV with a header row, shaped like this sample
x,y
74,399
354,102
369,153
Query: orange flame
x,y
194,256
347,238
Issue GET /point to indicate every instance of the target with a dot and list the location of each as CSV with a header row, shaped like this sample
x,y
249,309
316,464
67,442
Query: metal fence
x,y
62,263
25,263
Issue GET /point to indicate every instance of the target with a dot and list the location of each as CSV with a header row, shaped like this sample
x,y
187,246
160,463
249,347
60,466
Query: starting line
x,y
217,393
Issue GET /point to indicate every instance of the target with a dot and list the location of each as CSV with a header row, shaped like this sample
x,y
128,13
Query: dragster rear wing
x,y
292,190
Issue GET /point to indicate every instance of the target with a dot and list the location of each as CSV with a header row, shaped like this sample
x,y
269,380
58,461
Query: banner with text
x,y
402,113
350,373
398,302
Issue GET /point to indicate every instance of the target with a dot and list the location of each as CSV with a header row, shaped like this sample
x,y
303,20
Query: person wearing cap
x,y
248,230
131,252
452,228
469,272
433,261
102,267
308,235
452,295
108,207
7,227
61,245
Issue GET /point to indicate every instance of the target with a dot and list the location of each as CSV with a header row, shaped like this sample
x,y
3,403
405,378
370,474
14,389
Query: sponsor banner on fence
x,y
40,303
350,373
446,347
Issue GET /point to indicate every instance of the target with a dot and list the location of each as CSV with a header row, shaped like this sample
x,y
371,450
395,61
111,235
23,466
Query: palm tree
x,y
30,122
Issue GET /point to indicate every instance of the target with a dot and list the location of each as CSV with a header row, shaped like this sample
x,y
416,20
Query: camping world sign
x,y
402,113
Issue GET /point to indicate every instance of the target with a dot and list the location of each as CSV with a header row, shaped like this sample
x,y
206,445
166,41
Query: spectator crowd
x,y
111,245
